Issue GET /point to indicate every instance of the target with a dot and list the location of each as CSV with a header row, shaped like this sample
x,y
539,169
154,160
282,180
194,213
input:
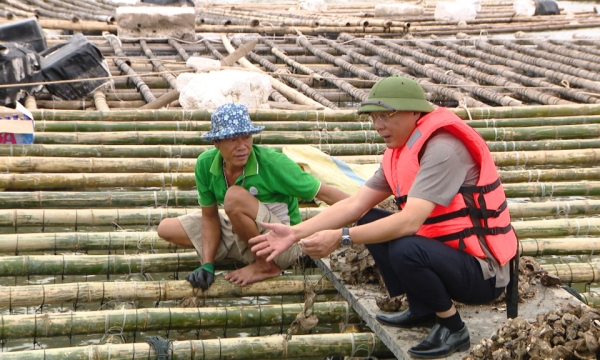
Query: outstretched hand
x,y
273,243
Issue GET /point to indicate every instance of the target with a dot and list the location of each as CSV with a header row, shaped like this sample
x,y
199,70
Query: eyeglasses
x,y
384,117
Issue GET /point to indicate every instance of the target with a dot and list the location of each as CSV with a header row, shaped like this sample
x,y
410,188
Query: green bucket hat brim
x,y
395,104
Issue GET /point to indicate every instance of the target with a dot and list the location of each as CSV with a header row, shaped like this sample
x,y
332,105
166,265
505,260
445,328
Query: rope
x,y
161,346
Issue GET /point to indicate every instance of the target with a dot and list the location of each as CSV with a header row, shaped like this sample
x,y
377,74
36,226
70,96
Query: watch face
x,y
346,241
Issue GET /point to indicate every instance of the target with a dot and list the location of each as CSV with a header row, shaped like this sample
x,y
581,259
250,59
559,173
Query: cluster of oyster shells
x,y
358,266
569,332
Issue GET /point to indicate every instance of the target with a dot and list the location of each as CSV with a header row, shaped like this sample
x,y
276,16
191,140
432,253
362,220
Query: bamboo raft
x,y
79,208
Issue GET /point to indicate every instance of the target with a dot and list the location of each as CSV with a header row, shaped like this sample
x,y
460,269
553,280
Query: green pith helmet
x,y
395,93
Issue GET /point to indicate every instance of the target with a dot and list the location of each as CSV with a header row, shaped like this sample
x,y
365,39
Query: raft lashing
x,y
83,273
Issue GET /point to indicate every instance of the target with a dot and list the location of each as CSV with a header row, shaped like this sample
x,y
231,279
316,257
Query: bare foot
x,y
253,273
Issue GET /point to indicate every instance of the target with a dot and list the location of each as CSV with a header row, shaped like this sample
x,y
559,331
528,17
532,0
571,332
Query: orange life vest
x,y
452,224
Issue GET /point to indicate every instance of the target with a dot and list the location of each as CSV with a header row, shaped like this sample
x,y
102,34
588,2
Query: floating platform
x,y
482,320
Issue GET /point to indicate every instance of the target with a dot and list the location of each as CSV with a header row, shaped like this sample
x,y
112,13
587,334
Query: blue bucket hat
x,y
229,121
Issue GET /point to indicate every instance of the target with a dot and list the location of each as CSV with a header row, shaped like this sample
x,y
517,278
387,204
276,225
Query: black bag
x,y
26,31
19,63
546,7
75,59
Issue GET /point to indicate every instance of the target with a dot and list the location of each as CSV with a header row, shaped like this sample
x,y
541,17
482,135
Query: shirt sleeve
x,y
295,181
445,164
206,197
378,181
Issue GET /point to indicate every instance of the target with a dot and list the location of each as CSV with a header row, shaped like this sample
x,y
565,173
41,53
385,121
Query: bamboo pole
x,y
112,242
160,198
522,79
270,347
29,265
81,218
166,290
158,65
99,101
552,54
101,165
164,181
115,242
562,53
451,93
570,273
304,137
516,158
185,163
592,299
124,67
439,76
167,319
559,246
572,75
557,227
482,113
191,151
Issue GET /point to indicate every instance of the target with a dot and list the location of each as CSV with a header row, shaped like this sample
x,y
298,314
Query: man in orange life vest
x,y
452,240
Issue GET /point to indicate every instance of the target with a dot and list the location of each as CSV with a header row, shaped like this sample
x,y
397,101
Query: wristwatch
x,y
346,240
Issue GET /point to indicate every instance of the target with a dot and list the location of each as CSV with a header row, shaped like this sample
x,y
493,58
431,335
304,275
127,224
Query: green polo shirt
x,y
269,175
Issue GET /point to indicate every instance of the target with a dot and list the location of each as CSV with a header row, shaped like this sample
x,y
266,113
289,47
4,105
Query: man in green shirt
x,y
253,184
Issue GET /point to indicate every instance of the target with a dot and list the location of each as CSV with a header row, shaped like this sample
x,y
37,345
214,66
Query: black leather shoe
x,y
406,320
441,343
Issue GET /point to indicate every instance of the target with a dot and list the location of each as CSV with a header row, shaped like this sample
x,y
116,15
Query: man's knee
x,y
409,250
171,230
234,199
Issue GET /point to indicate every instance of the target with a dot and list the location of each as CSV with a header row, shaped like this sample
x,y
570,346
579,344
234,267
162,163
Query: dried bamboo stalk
x,y
124,66
93,292
273,347
523,79
94,181
574,272
167,319
29,265
446,77
448,92
158,65
100,101
38,220
574,76
304,137
559,246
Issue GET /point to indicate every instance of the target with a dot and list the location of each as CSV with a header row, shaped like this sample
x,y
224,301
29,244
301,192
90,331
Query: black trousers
x,y
430,273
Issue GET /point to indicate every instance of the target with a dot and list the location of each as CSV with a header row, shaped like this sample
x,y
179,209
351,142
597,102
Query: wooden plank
x,y
482,320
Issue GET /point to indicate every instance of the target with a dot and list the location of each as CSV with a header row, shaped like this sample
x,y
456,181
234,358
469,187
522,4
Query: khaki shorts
x,y
231,247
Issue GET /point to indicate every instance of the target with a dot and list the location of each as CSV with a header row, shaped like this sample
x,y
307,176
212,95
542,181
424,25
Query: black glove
x,y
202,277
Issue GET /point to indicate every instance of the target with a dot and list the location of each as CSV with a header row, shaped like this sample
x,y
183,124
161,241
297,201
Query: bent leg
x,y
381,255
171,230
242,209
433,274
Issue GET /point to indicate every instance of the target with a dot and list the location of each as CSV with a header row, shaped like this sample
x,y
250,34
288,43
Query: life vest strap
x,y
473,212
400,200
480,189
460,235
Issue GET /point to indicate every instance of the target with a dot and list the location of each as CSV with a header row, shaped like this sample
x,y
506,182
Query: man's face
x,y
235,151
395,127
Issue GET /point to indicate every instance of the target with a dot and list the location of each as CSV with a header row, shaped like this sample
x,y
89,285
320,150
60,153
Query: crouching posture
x,y
253,185
453,239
